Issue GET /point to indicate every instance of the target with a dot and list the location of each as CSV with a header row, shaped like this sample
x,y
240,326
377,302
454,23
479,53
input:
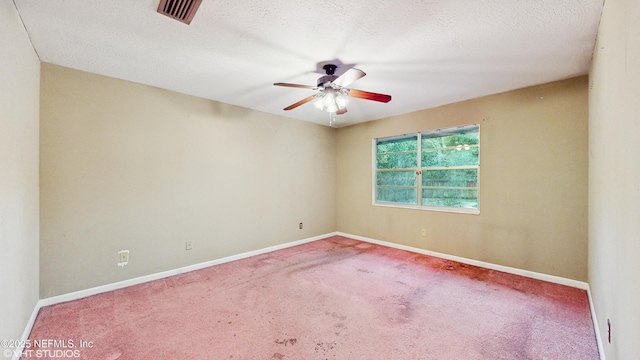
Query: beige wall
x,y
533,181
127,166
614,178
19,102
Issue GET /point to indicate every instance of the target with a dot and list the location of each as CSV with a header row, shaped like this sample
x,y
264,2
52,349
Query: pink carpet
x,y
331,299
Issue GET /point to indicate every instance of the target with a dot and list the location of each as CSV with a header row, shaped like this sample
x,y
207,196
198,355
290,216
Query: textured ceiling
x,y
423,53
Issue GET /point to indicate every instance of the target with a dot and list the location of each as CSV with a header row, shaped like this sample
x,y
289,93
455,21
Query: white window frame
x,y
418,171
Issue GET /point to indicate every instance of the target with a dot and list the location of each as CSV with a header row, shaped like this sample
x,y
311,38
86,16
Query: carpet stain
x,y
365,246
336,315
323,261
277,356
284,342
339,328
325,347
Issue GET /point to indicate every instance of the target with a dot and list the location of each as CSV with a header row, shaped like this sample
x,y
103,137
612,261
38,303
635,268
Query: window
x,y
437,170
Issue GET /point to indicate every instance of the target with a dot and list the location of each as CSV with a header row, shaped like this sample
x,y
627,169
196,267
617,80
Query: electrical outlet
x,y
300,226
423,232
123,257
188,245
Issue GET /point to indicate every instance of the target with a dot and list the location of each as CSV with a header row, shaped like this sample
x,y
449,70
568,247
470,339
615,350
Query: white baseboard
x,y
26,332
526,273
596,327
147,278
151,277
530,274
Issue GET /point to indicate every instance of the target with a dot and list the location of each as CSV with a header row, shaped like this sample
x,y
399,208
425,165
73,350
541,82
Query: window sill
x,y
430,208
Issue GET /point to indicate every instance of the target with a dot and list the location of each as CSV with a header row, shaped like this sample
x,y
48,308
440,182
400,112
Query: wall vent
x,y
181,10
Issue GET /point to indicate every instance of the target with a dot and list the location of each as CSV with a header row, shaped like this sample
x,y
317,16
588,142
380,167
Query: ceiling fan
x,y
333,93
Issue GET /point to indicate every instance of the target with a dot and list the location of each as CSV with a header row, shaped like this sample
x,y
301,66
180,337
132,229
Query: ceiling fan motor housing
x,y
325,79
330,69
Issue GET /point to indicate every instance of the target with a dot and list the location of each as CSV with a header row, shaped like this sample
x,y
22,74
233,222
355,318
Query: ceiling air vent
x,y
181,10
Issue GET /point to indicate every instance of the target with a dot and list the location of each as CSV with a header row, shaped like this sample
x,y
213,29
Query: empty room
x,y
204,179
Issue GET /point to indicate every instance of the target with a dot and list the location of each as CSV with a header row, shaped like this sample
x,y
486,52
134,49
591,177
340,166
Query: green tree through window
x,y
431,169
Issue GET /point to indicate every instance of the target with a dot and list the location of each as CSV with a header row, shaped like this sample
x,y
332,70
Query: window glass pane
x,y
468,135
396,195
396,178
450,178
450,198
397,145
468,155
449,160
397,161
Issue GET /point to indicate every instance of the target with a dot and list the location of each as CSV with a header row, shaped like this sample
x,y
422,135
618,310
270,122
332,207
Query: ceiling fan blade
x,y
301,102
297,86
341,111
349,77
368,95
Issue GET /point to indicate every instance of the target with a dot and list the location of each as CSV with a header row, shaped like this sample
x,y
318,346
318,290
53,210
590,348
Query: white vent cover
x,y
181,10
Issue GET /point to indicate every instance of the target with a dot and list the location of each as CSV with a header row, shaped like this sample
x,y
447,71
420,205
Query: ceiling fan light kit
x,y
333,95
331,101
